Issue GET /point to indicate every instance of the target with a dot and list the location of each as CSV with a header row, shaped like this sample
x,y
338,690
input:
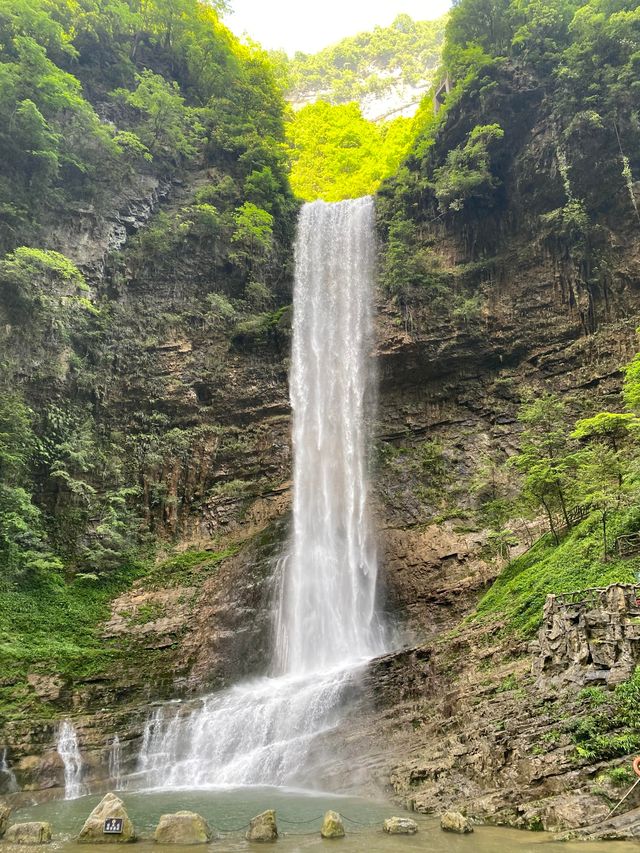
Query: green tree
x,y
467,174
545,458
166,124
602,467
631,387
252,238
336,153
486,23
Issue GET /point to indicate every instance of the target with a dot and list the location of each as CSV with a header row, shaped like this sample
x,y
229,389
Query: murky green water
x,y
299,817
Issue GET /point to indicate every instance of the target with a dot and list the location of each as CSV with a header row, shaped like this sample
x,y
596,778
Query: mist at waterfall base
x,y
262,732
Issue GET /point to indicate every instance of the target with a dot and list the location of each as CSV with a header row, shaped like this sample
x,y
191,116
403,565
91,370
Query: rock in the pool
x,y
332,825
35,832
263,827
5,812
93,830
183,828
400,826
455,822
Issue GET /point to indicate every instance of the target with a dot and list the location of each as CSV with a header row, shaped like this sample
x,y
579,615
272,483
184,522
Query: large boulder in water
x,y
109,807
183,828
332,826
36,832
400,826
263,827
455,822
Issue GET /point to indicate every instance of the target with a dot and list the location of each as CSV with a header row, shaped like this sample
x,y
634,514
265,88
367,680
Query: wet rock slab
x,y
35,832
624,827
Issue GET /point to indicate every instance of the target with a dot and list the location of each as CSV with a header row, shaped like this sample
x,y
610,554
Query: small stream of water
x,y
69,751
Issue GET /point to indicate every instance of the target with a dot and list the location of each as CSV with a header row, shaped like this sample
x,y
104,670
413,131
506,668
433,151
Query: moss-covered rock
x,y
263,827
332,825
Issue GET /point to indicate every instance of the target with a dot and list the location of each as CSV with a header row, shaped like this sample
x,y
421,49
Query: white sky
x,y
309,26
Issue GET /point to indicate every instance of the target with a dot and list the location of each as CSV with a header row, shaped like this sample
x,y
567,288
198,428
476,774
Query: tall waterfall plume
x,y
261,732
327,609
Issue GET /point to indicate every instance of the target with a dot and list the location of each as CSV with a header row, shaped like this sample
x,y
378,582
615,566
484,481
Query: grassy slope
x,y
53,627
519,593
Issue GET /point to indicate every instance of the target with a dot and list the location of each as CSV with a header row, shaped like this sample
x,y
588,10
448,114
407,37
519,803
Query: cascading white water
x,y
8,781
260,732
327,610
115,764
69,751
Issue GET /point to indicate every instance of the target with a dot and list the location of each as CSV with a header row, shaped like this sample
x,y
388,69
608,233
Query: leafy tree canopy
x,y
336,153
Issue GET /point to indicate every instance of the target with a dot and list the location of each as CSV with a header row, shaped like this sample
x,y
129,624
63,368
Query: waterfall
x,y
261,731
115,764
327,613
69,752
8,781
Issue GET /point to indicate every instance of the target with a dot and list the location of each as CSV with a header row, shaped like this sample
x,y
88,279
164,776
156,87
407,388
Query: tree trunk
x,y
551,524
564,508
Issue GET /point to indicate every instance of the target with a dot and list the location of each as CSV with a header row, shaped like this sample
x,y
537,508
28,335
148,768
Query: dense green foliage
x,y
336,153
570,67
591,468
610,726
367,63
519,593
91,91
100,100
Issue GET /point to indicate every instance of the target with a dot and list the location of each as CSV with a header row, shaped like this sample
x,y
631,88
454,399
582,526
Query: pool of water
x,y
299,816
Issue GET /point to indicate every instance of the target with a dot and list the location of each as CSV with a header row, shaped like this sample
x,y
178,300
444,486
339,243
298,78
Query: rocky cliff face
x,y
479,732
195,404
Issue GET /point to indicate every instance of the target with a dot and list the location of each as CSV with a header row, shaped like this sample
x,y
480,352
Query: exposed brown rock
x,y
35,832
592,637
183,827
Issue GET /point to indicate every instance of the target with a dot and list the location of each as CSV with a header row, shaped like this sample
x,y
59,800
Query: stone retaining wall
x,y
589,637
